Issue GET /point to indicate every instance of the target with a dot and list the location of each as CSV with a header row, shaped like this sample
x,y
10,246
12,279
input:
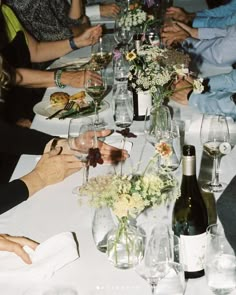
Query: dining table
x,y
57,208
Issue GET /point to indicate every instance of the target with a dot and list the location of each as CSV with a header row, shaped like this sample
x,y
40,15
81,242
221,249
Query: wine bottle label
x,y
144,102
193,252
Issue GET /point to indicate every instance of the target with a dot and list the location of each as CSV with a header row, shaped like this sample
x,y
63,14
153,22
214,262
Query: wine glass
x,y
123,109
122,35
220,262
82,137
96,90
157,120
215,139
121,69
159,265
172,138
101,52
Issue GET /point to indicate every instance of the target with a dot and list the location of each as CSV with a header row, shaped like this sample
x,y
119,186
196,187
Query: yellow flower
x,y
131,56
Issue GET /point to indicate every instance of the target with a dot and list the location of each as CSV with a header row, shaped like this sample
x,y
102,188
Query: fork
x,y
69,105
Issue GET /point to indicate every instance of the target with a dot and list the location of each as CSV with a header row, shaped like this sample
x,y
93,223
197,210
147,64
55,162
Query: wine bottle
x,y
190,218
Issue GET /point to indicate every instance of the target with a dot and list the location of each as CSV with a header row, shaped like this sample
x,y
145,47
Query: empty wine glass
x,y
121,69
172,138
96,90
215,139
102,52
157,120
122,35
158,266
82,137
123,110
220,262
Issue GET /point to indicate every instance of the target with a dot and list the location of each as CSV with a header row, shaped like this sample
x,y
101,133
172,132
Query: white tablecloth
x,y
55,209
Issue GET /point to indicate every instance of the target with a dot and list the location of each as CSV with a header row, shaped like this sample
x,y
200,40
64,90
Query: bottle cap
x,y
189,150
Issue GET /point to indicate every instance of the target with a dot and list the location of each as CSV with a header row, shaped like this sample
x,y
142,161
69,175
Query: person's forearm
x,y
45,51
33,182
34,78
76,9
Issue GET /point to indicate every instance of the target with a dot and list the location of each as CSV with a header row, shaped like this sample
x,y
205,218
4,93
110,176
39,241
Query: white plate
x,y
45,109
68,62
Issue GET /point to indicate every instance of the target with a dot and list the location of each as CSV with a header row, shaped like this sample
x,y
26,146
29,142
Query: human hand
x,y
179,14
109,10
53,167
89,37
173,34
110,154
16,244
77,79
181,90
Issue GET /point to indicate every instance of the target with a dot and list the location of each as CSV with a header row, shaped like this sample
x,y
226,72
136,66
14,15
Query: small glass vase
x,y
125,245
102,224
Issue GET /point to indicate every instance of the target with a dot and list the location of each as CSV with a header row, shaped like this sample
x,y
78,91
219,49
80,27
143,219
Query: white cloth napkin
x,y
48,257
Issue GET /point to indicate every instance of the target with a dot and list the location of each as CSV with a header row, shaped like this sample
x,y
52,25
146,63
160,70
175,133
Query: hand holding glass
x,y
82,137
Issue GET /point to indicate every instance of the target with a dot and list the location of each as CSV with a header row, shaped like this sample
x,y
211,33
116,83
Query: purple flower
x,y
116,54
126,133
149,3
94,157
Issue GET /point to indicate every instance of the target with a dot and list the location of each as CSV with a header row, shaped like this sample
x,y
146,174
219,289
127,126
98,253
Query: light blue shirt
x,y
215,46
218,100
219,17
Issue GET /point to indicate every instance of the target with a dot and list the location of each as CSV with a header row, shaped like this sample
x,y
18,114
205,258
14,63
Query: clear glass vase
x,y
125,245
102,224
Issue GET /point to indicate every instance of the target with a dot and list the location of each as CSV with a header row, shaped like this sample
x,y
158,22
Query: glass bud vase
x,y
125,245
103,222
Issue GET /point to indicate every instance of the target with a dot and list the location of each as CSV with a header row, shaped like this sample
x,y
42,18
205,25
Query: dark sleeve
x,y
18,140
12,194
226,210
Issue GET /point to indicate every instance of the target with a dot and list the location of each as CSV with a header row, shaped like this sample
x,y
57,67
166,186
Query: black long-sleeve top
x,y
17,140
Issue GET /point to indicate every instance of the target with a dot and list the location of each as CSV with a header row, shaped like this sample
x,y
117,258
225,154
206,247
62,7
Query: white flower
x,y
198,86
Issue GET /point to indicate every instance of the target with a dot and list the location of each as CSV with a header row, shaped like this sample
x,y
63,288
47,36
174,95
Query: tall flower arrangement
x,y
127,195
155,69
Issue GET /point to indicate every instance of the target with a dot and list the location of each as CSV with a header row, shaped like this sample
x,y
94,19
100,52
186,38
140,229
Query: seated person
x,y
20,49
51,20
218,17
57,157
219,95
212,46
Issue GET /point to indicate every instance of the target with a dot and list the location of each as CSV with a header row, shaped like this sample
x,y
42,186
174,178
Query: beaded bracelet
x,y
72,43
57,79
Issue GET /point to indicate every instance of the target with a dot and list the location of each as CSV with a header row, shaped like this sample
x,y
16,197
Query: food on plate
x,y
59,98
80,100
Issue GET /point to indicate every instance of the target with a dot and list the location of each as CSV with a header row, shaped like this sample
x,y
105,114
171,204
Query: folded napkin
x,y
48,257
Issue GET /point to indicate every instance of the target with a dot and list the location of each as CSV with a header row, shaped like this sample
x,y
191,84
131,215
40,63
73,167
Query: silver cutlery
x,y
67,107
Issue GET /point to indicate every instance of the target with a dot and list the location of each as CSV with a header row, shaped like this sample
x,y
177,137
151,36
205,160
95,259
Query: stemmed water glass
x,y
122,35
82,137
159,128
220,262
102,52
159,266
215,139
96,90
